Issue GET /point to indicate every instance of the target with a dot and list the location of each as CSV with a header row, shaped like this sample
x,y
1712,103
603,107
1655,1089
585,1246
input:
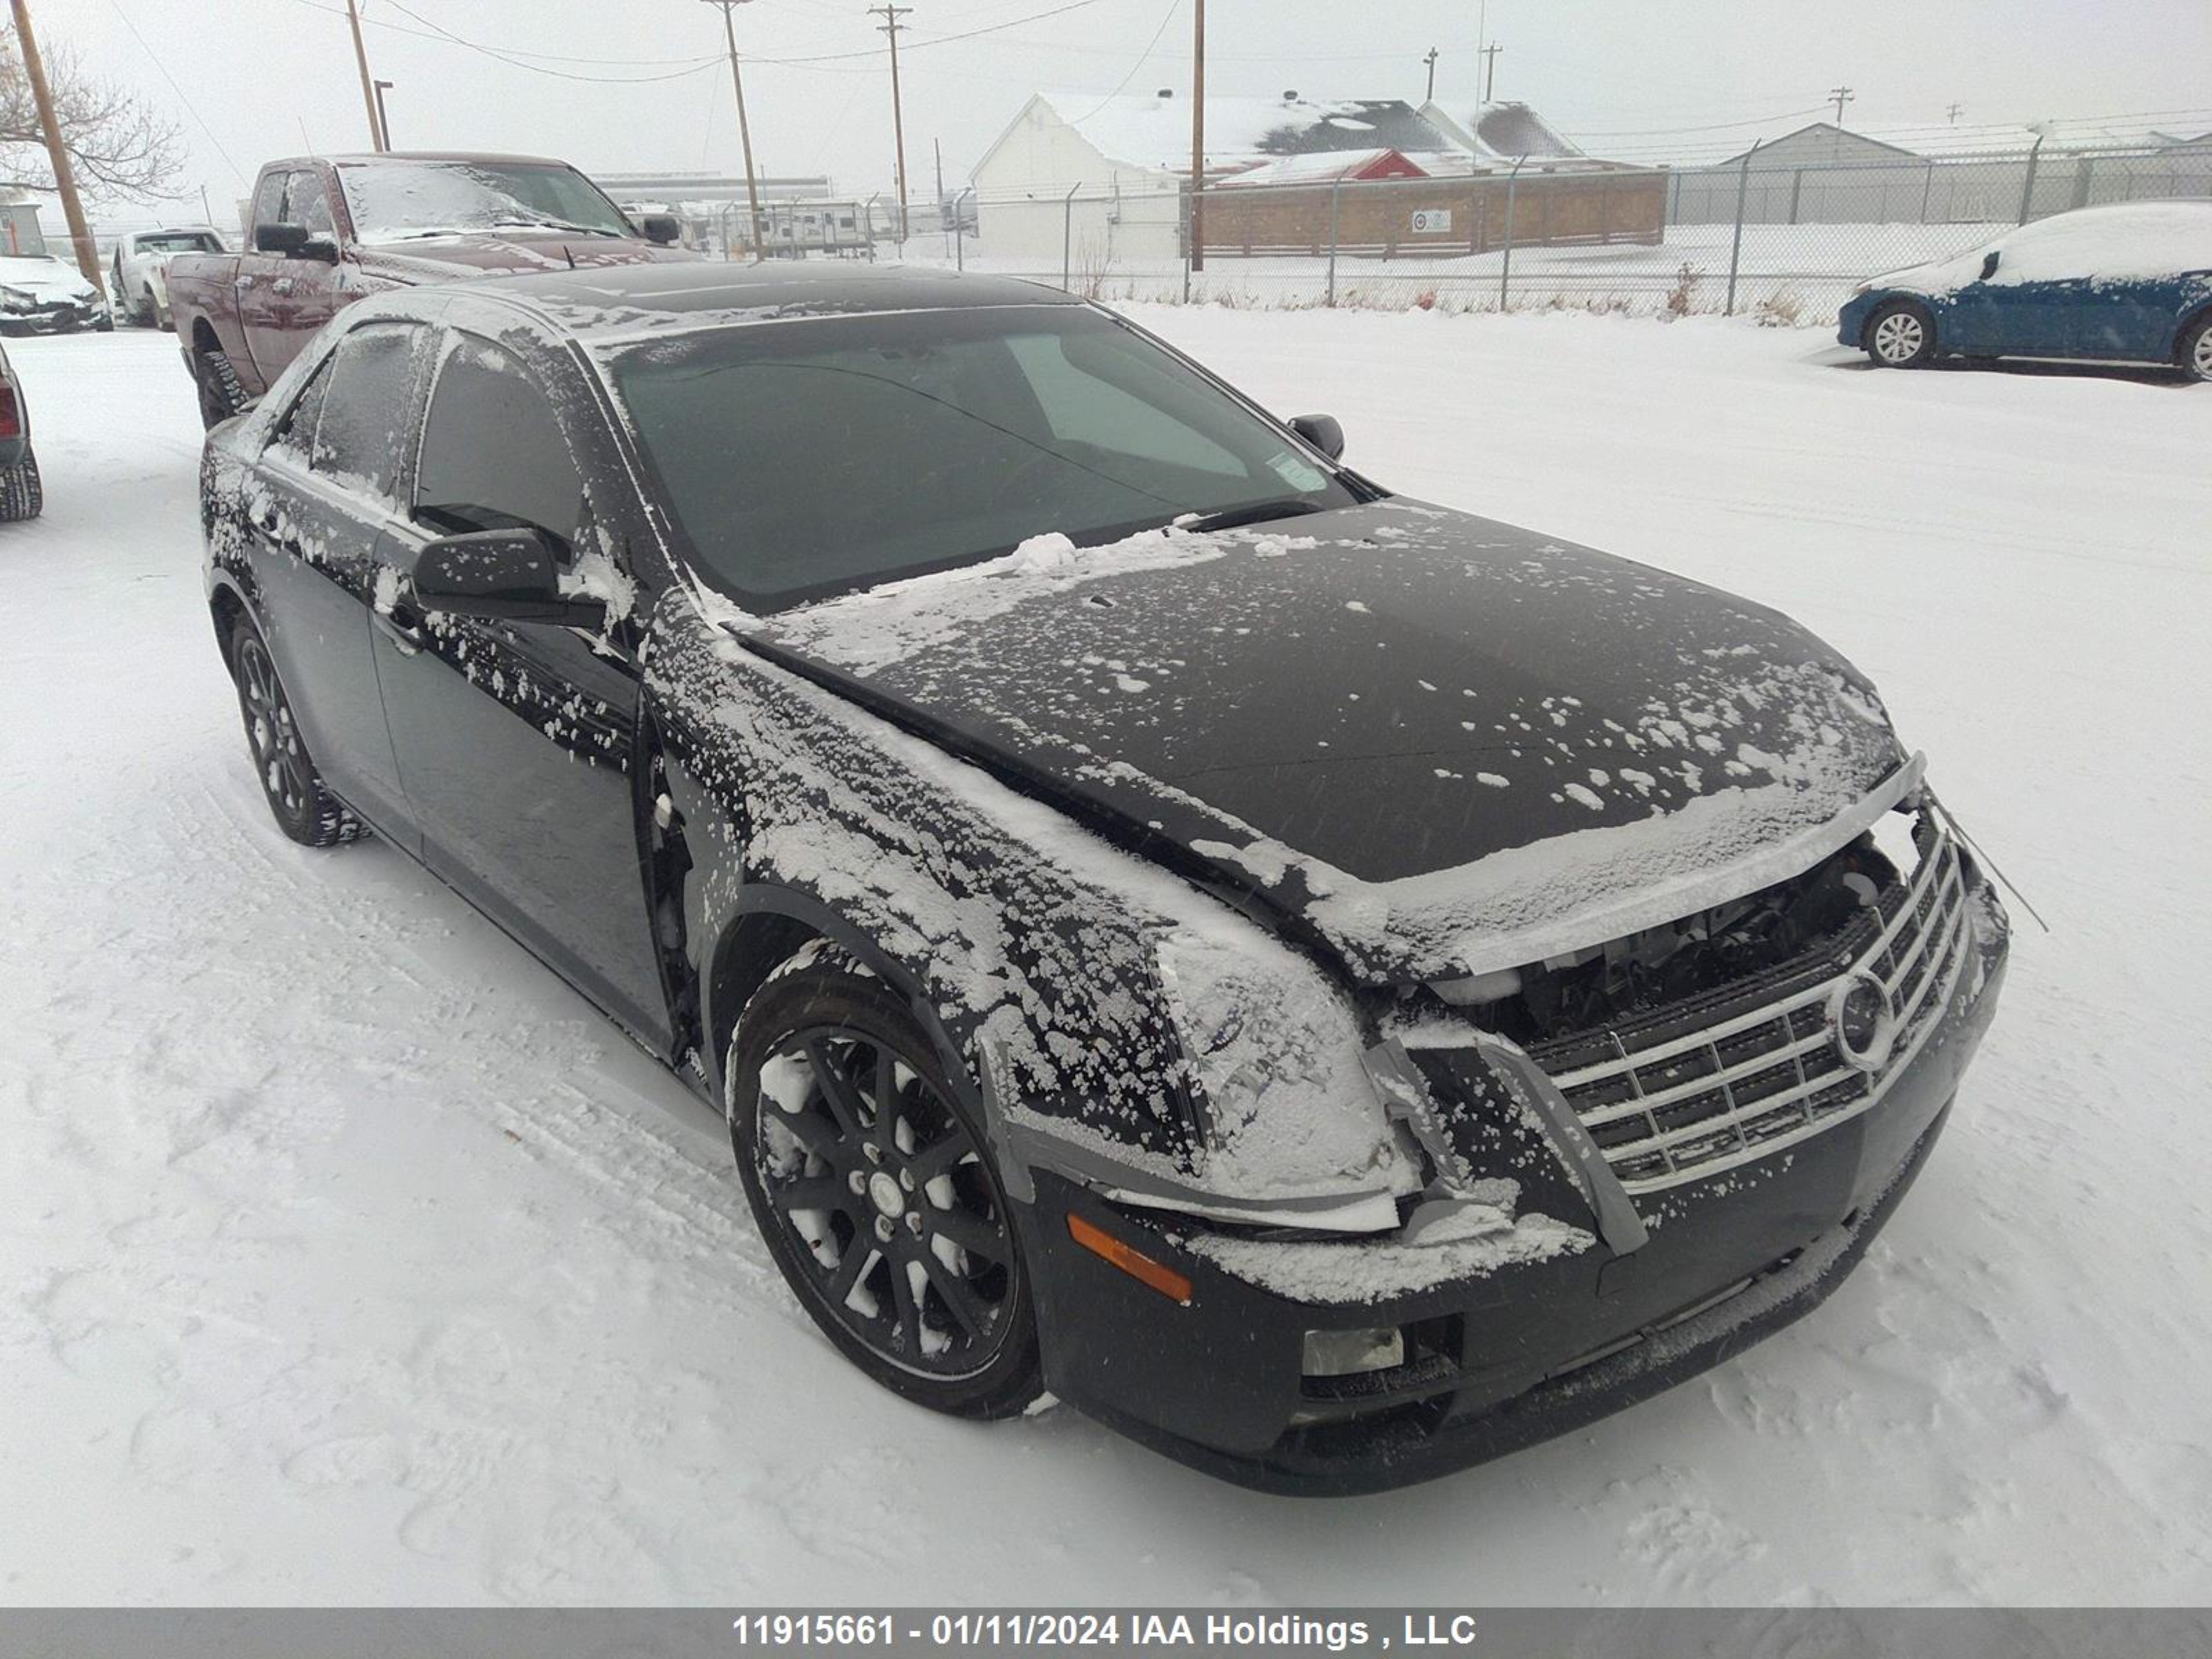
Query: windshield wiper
x,y
555,224
1229,517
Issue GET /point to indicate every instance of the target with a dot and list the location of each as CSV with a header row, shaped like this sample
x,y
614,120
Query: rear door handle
x,y
399,625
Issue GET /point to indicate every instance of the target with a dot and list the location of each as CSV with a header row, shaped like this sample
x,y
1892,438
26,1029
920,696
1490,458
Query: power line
x,y
189,106
1166,18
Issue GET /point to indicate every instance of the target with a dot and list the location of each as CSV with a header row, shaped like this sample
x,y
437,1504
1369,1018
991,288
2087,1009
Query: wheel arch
x,y
1887,300
226,608
2199,312
770,923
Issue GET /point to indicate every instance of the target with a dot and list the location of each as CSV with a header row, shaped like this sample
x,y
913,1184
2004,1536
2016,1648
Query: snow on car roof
x,y
2120,241
605,303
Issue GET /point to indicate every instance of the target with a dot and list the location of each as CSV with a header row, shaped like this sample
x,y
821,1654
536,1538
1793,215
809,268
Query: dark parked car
x,y
1336,988
21,494
324,231
2127,283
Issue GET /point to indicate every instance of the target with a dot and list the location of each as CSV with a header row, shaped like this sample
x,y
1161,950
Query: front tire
x,y
2192,353
290,781
21,494
1900,334
874,1190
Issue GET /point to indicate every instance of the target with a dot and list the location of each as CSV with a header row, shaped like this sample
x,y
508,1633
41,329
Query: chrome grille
x,y
1683,1107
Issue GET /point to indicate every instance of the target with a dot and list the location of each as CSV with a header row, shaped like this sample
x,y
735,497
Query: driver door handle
x,y
400,626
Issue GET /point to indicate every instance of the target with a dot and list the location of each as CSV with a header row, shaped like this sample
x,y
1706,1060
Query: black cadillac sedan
x,y
1335,987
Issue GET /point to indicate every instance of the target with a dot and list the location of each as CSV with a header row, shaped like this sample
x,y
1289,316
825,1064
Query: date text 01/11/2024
x,y
1023,1630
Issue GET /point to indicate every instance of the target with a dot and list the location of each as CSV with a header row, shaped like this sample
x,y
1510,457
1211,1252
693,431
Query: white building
x,y
1105,188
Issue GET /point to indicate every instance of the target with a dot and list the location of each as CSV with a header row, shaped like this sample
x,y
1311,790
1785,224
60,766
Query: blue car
x,y
2128,283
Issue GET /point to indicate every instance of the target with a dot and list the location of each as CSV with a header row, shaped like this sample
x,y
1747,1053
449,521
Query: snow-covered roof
x,y
1150,130
1501,131
1319,166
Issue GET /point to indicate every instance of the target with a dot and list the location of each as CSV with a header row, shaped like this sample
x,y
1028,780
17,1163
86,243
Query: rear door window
x,y
494,457
368,409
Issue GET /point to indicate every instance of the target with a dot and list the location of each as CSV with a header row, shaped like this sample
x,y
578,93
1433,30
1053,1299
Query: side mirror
x,y
505,574
661,228
279,239
1990,265
1322,432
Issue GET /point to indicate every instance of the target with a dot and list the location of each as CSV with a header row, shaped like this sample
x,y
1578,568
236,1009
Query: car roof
x,y
602,305
403,156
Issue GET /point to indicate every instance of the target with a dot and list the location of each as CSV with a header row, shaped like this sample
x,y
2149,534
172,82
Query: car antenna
x,y
571,252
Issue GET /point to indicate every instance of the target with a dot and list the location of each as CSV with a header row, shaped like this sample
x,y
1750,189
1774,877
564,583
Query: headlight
x,y
1271,1061
15,299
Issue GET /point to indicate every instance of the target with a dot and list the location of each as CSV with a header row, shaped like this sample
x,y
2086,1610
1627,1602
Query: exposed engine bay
x,y
1605,984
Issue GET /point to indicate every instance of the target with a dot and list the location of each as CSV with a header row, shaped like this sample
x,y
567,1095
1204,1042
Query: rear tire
x,y
220,394
2192,353
290,782
1900,334
891,1226
21,494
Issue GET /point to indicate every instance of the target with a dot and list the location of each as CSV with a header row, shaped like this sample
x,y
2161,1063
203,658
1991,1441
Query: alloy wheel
x,y
899,1224
1899,338
2199,358
270,730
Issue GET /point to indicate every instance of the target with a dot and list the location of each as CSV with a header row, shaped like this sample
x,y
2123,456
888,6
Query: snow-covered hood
x,y
45,282
450,257
1424,737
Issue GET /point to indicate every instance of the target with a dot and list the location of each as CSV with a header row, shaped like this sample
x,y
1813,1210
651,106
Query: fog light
x,y
1344,1353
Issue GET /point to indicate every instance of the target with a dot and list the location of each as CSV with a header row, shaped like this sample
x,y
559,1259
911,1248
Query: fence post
x,y
1505,270
1796,192
1927,189
1335,201
960,231
1736,246
868,226
1068,234
2027,189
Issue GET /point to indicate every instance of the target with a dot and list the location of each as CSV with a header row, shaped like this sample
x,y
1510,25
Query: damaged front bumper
x,y
1564,1315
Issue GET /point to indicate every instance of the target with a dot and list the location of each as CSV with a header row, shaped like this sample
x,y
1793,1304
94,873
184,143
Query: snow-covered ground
x,y
1806,270
346,1256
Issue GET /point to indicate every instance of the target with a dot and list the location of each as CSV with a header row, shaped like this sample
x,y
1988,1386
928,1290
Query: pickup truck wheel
x,y
220,395
21,496
303,808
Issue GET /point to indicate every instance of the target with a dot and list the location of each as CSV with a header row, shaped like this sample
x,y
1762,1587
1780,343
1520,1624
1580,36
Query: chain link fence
x,y
1784,241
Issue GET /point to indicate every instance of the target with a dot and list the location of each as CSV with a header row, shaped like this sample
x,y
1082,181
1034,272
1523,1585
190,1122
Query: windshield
x,y
812,458
179,241
394,200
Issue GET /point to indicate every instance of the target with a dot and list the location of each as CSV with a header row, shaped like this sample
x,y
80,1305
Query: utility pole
x,y
1954,112
937,149
890,26
1840,96
1197,136
744,132
1490,70
34,67
383,120
368,86
1430,60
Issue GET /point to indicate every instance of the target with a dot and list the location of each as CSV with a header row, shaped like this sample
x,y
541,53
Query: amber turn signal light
x,y
1152,1274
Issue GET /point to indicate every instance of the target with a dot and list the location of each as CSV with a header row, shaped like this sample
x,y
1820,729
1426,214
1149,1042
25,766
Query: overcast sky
x,y
1638,79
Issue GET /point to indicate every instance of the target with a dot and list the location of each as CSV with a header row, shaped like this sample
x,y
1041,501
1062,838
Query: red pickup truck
x,y
324,231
